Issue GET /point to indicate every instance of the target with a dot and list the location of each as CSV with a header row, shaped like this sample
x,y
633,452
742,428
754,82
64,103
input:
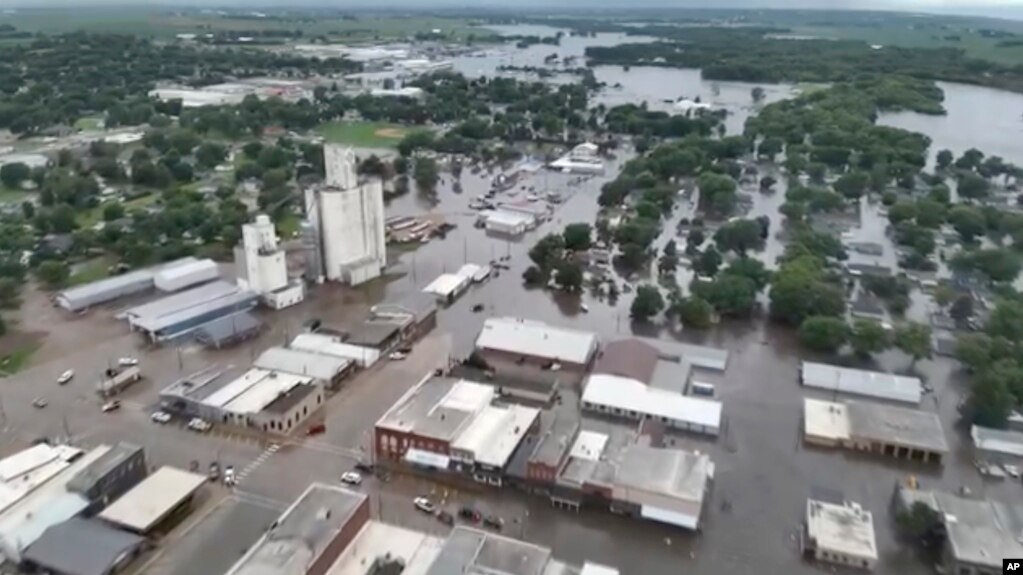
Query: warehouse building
x,y
310,535
415,313
186,397
83,297
885,386
999,443
328,369
446,288
894,431
82,547
322,344
183,313
22,472
979,533
290,409
187,274
484,448
160,499
228,330
839,533
663,485
378,335
535,350
508,223
122,467
631,399
242,401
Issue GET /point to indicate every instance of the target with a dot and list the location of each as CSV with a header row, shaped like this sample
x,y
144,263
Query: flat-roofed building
x,y
415,312
165,493
380,335
185,312
324,344
290,409
111,475
664,485
228,330
469,550
328,369
551,449
531,349
428,418
894,431
631,399
860,382
486,445
997,442
842,534
310,535
82,547
23,472
241,401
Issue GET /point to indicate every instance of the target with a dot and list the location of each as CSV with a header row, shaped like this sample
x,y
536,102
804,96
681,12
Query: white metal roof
x,y
844,528
596,569
859,382
152,499
447,284
28,469
825,420
495,433
997,440
328,345
267,386
630,395
589,445
467,396
675,518
507,218
206,267
537,339
317,365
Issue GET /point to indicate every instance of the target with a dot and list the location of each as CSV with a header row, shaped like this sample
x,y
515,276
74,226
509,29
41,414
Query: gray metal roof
x,y
371,333
107,289
81,547
116,456
300,536
896,425
417,303
420,411
628,358
473,552
228,327
290,399
184,306
298,362
669,472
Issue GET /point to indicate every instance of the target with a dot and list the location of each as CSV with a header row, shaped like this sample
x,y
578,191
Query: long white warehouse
x,y
860,382
633,399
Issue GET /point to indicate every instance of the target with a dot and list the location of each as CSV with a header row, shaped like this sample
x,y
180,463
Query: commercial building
x,y
415,312
484,448
839,533
309,536
347,216
893,431
228,330
664,485
582,159
859,382
334,346
82,547
186,397
23,472
448,287
110,476
381,335
328,369
631,399
262,266
531,349
552,449
181,314
242,401
83,297
979,533
186,275
507,222
469,550
162,497
997,442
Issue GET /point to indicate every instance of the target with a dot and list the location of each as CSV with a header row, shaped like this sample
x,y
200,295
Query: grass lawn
x,y
89,218
363,134
899,34
90,271
18,359
90,123
289,226
7,195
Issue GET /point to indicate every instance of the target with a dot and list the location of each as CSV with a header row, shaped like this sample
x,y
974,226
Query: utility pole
x,y
67,429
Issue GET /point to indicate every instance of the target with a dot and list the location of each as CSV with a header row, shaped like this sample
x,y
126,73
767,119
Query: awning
x,y
427,458
670,517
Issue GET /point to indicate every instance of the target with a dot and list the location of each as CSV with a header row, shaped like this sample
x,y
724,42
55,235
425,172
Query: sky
x,y
994,8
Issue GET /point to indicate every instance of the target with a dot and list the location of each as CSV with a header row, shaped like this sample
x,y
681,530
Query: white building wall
x,y
288,297
262,266
352,228
340,165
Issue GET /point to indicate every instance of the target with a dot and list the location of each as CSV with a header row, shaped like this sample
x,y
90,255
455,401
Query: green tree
x,y
975,350
853,184
1006,321
415,140
962,308
732,295
920,521
209,155
739,236
275,179
10,290
3,325
930,213
969,222
770,147
944,159
694,312
112,211
902,211
823,333
668,262
547,252
799,289
708,263
914,340
426,174
647,303
53,272
868,337
570,276
972,186
991,401
751,269
13,174
533,276
577,237
998,264
717,192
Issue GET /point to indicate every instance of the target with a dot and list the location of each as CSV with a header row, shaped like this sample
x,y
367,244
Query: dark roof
x,y
867,303
108,462
228,327
419,304
81,547
371,333
290,399
628,358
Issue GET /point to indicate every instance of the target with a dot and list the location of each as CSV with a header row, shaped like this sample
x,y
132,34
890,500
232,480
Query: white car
x,y
351,478
39,403
1012,470
200,425
111,406
127,361
398,356
160,417
229,477
425,505
66,376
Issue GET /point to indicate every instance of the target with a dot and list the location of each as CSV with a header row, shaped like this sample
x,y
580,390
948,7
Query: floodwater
x,y
764,472
977,117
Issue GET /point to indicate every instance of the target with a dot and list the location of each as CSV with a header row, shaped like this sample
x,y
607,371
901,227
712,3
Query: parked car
x,y
425,505
316,429
1012,470
469,514
398,356
351,478
493,522
200,425
364,467
214,472
66,376
127,361
111,406
229,478
39,403
445,518
160,417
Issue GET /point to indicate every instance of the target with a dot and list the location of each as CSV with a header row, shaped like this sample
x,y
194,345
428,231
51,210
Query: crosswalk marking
x,y
266,454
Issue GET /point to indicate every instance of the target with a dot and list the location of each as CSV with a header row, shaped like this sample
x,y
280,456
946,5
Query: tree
x,y
867,337
547,252
853,184
902,211
28,209
739,236
920,521
972,186
112,211
209,155
794,212
3,325
426,174
53,272
708,263
757,93
13,174
533,276
577,237
717,192
991,401
969,222
944,159
570,276
751,269
647,303
9,291
1006,321
962,308
930,213
998,264
770,147
694,312
275,179
914,340
415,140
733,295
799,290
823,333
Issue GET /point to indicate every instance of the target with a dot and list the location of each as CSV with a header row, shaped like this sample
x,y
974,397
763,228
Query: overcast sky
x,y
995,8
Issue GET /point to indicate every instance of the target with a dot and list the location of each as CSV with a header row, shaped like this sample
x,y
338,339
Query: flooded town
x,y
537,302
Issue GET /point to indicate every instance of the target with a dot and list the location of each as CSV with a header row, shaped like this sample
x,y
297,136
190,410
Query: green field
x,y
90,271
7,195
363,134
90,123
17,360
900,34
